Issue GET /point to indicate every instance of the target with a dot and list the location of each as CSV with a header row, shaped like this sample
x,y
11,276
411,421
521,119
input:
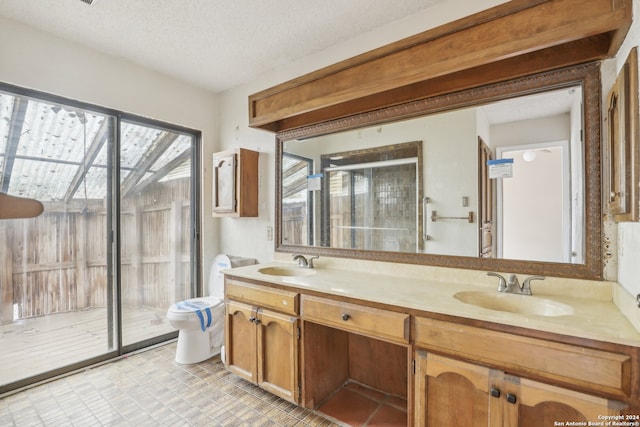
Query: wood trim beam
x,y
511,39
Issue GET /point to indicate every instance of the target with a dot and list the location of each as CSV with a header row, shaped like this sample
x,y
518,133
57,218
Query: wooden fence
x,y
57,262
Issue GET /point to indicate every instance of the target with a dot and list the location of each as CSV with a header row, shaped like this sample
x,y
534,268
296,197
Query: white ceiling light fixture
x,y
529,156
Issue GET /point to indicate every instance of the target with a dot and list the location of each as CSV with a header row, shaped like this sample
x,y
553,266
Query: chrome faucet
x,y
512,286
304,262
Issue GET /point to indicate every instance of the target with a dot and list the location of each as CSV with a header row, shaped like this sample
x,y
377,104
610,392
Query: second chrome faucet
x,y
513,286
304,262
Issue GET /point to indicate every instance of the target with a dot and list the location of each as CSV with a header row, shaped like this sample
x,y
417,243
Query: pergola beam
x,y
89,158
145,163
13,140
162,172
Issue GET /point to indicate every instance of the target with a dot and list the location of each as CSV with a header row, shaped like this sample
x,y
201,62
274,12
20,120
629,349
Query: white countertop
x,y
591,318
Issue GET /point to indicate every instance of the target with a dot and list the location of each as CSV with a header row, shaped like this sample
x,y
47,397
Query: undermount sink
x,y
286,271
513,303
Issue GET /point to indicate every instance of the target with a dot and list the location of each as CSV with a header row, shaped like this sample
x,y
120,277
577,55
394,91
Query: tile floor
x,y
150,389
360,406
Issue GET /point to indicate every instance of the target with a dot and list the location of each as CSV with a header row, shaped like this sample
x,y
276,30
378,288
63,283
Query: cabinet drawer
x,y
262,296
374,322
597,370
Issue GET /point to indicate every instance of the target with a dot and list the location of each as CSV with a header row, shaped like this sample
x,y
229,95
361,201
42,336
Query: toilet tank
x,y
216,278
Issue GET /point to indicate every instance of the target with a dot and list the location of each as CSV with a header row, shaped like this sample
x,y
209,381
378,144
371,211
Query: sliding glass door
x,y
92,276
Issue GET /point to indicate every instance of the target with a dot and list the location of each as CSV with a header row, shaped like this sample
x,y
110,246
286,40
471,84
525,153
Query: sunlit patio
x,y
40,344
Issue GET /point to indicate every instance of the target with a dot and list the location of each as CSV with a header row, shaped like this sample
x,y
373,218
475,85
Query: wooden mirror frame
x,y
587,75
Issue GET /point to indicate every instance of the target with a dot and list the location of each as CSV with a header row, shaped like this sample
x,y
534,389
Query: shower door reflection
x,y
373,208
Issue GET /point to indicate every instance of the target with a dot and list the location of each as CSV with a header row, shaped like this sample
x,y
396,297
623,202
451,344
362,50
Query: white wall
x,y
35,60
450,173
534,131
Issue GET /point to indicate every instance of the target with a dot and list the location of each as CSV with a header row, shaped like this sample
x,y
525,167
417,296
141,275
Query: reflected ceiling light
x,y
13,207
529,156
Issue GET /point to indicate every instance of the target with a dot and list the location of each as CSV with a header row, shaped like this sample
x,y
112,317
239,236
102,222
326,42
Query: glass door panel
x,y
156,226
56,296
297,204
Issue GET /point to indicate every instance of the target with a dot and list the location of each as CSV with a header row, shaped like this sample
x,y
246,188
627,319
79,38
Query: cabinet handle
x,y
495,392
257,321
511,398
345,317
252,319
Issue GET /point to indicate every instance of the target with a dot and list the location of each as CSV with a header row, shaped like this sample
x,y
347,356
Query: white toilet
x,y
201,320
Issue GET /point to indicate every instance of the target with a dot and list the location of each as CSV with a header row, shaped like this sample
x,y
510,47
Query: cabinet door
x,y
240,340
224,183
453,393
278,354
538,404
622,151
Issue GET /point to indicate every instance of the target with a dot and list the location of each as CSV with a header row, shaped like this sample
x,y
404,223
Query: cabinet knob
x,y
345,317
257,321
252,319
511,398
495,392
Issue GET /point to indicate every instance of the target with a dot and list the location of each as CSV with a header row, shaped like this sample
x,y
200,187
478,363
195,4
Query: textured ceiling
x,y
214,44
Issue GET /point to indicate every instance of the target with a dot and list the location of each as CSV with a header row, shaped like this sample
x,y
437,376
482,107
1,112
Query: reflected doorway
x,y
534,205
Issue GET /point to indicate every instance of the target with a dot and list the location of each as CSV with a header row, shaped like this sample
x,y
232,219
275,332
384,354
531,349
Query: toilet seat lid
x,y
195,304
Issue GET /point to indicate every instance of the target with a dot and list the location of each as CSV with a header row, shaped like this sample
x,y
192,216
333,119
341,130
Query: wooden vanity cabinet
x,y
450,392
347,343
308,348
487,377
261,343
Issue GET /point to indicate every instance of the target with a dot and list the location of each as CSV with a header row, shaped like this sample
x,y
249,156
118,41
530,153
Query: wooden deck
x,y
37,345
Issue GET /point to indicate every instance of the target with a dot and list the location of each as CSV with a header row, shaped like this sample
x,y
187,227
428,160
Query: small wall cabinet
x,y
235,183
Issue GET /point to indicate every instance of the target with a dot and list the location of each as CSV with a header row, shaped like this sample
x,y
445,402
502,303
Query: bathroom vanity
x,y
441,351
441,360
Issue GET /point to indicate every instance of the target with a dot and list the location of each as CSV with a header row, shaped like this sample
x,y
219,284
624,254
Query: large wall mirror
x,y
502,177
